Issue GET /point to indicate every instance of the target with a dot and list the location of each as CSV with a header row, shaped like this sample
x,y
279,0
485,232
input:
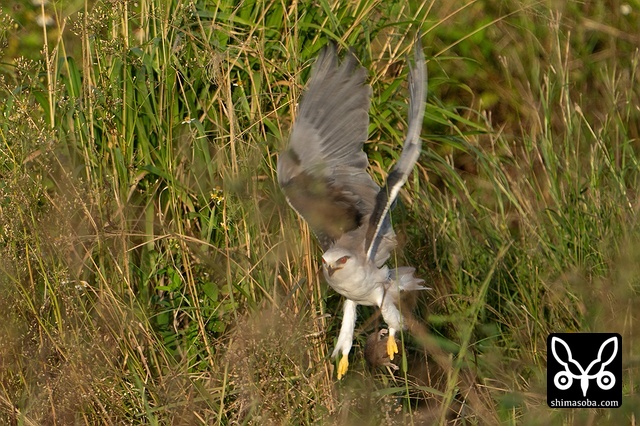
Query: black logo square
x,y
584,370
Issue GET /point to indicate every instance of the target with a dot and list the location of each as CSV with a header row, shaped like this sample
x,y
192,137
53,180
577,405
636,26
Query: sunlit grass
x,y
152,273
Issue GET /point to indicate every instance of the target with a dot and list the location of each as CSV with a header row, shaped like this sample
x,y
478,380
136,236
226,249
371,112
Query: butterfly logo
x,y
564,379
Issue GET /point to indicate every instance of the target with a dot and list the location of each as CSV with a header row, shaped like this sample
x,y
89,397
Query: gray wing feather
x,y
323,171
377,243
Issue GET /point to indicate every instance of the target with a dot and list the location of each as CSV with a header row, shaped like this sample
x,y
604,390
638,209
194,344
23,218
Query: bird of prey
x,y
323,174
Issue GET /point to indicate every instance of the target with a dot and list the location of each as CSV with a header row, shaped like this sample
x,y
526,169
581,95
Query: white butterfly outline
x,y
584,377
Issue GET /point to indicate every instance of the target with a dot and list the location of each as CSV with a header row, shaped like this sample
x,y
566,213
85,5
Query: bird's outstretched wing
x,y
376,246
323,171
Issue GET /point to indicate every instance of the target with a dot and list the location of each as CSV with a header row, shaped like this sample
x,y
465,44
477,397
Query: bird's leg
x,y
393,319
343,366
345,338
392,347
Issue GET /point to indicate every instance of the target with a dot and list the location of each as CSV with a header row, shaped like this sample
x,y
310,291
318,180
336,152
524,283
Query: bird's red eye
x,y
324,262
343,260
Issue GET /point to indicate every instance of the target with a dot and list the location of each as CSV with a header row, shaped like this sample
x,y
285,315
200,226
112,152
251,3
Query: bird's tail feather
x,y
405,280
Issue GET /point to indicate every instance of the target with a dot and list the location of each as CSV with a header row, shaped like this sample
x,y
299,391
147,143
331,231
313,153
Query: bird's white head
x,y
337,261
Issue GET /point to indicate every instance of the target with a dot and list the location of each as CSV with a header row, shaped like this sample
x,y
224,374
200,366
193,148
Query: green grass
x,y
152,273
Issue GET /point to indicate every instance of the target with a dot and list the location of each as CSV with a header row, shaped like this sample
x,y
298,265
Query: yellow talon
x,y
343,365
392,347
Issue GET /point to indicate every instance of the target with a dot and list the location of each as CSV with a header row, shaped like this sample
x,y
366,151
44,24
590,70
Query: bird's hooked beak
x,y
331,269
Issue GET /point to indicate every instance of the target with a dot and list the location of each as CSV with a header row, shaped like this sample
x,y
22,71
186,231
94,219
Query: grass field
x,y
151,271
